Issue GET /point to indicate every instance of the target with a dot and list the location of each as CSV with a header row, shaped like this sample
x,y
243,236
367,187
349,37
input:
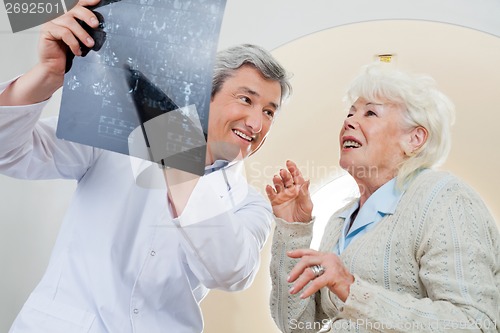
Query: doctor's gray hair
x,y
229,60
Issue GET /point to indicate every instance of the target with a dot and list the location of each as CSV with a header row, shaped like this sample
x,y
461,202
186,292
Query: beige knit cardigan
x,y
432,266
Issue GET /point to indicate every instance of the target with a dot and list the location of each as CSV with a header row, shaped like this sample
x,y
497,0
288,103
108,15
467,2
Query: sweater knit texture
x,y
432,266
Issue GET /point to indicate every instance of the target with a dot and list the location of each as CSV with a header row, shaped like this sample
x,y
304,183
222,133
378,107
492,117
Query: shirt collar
x,y
148,174
385,199
348,212
217,165
382,202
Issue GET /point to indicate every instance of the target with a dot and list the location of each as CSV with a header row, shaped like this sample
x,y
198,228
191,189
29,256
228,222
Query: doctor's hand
x,y
64,32
56,38
289,195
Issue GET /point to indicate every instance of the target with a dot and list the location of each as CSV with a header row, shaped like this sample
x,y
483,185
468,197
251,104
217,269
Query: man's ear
x,y
418,137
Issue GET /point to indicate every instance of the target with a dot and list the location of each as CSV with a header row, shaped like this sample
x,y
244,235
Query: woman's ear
x,y
418,136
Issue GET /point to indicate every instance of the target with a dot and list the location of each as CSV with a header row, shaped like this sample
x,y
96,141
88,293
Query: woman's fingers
x,y
290,200
301,252
278,183
313,287
286,178
271,193
303,274
308,257
297,177
316,270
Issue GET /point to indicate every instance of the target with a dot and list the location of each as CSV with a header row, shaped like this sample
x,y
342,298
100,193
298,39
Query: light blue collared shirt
x,y
378,205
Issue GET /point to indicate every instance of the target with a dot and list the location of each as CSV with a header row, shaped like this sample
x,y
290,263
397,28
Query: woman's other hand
x,y
330,272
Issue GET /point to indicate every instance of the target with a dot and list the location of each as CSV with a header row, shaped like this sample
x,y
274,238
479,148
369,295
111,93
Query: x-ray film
x,y
144,88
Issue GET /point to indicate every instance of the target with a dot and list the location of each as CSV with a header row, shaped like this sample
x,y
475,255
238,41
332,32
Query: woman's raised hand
x,y
289,195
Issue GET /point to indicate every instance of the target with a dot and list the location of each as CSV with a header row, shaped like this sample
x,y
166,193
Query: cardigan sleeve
x,y
458,256
290,313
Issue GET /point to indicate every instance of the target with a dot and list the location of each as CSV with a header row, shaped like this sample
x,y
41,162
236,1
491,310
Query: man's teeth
x,y
242,135
351,144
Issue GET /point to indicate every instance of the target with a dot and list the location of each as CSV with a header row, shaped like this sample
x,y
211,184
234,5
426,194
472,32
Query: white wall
x,y
30,212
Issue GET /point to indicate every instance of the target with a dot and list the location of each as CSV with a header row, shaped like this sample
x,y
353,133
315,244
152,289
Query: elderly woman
x,y
418,251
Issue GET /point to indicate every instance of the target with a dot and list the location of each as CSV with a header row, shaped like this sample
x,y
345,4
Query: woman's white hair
x,y
423,105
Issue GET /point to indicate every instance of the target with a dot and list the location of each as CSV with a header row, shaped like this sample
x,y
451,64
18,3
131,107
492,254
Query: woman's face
x,y
371,139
